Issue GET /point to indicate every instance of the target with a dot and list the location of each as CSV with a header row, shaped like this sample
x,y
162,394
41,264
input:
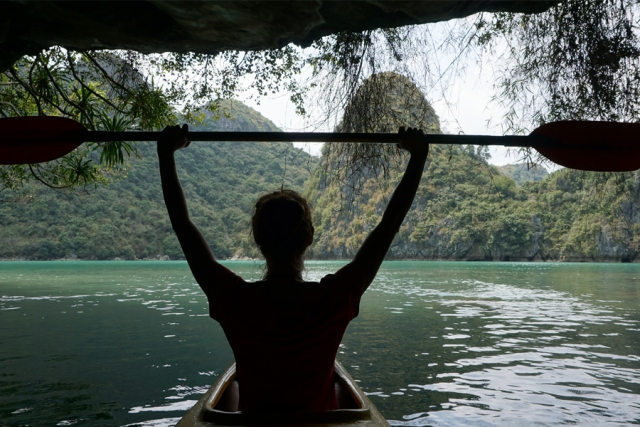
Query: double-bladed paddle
x,y
592,146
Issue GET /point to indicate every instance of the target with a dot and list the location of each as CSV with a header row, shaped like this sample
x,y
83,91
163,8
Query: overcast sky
x,y
470,113
463,104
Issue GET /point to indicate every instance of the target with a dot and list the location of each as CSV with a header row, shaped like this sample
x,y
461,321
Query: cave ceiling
x,y
27,27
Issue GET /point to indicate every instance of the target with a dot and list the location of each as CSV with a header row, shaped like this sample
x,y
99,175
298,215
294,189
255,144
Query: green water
x,y
436,343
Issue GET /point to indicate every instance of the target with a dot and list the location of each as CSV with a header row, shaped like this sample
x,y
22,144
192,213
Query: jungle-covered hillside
x,y
127,219
465,209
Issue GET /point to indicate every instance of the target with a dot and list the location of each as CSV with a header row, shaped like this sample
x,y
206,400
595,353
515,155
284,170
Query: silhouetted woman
x,y
285,332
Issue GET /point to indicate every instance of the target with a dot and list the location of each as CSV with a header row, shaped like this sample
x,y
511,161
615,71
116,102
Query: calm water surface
x,y
436,344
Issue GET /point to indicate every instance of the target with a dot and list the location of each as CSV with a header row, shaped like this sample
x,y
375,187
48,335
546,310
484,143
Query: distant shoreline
x,y
166,258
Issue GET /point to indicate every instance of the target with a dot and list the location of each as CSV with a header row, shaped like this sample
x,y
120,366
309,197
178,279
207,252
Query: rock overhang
x,y
154,26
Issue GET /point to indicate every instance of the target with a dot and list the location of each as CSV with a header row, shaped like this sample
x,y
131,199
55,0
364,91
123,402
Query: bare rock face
x,y
26,27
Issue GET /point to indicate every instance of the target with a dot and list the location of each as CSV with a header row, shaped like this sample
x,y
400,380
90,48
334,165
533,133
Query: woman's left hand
x,y
173,138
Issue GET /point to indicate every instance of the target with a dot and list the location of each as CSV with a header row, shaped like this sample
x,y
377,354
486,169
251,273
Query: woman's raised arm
x,y
206,270
367,261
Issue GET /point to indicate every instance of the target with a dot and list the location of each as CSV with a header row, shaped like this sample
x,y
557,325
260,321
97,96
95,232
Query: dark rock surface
x,y
26,27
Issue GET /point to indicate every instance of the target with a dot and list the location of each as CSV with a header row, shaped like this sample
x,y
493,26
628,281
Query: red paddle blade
x,y
25,140
593,146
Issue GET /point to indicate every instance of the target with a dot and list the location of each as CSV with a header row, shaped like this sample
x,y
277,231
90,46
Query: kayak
x,y
219,407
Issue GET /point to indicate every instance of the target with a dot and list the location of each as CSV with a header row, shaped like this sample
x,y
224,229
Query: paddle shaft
x,y
379,138
592,146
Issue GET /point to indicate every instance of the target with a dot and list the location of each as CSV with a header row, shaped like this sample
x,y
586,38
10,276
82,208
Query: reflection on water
x,y
503,344
439,344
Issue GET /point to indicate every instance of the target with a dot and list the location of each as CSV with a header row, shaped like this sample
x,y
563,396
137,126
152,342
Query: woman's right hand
x,y
173,138
414,141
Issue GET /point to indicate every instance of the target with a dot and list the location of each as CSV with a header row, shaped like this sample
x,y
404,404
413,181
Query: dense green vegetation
x,y
127,219
465,209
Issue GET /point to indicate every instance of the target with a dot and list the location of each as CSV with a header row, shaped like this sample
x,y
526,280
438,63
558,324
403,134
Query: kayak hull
x,y
219,407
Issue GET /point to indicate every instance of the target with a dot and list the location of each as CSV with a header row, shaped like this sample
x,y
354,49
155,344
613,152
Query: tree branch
x,y
55,187
79,80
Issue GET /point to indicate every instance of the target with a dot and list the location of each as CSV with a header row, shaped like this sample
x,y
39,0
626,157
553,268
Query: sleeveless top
x,y
285,337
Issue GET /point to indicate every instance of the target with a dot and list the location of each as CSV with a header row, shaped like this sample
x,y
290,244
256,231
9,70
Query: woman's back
x,y
285,337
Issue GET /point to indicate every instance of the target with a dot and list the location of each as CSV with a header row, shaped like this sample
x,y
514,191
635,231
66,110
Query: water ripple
x,y
525,352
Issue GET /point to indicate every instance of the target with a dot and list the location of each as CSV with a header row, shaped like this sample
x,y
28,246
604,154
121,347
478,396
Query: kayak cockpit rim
x,y
221,402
